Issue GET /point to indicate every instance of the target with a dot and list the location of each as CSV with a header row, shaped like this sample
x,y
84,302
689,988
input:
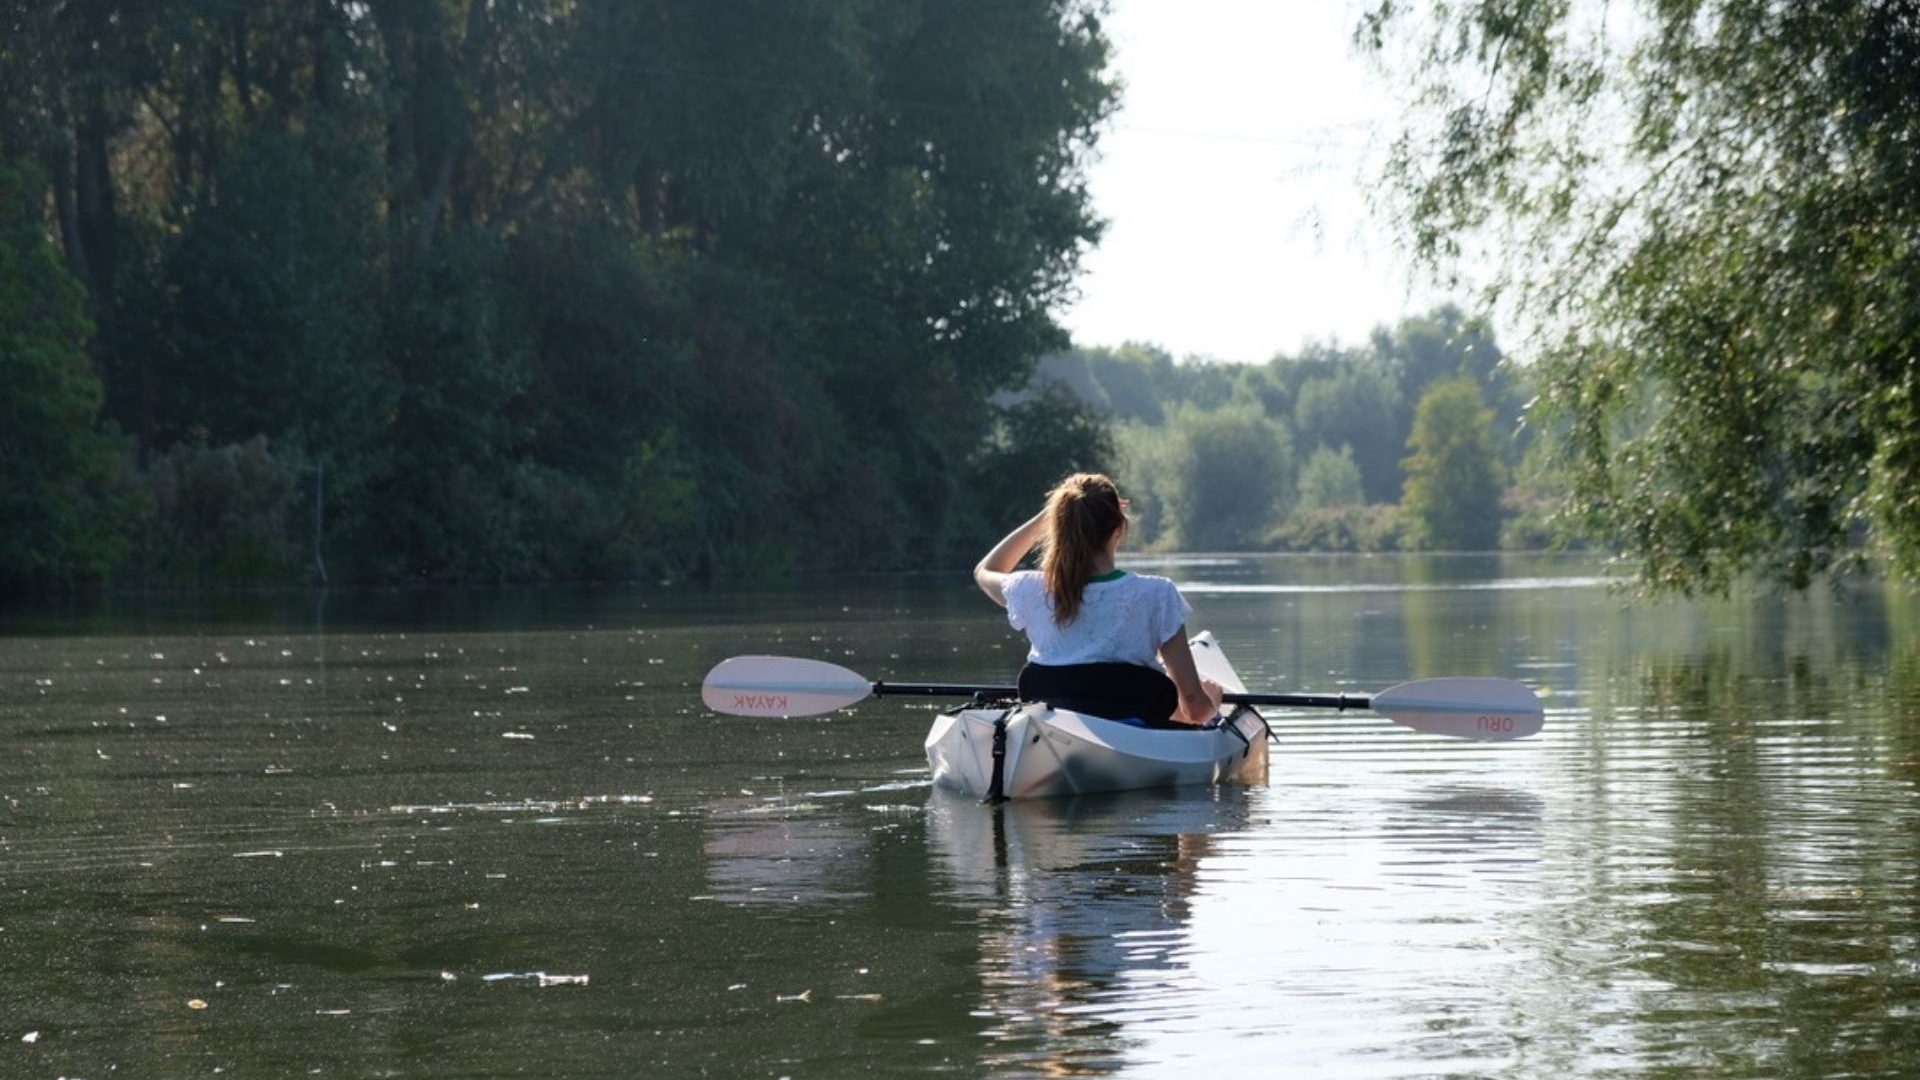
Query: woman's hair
x,y
1083,511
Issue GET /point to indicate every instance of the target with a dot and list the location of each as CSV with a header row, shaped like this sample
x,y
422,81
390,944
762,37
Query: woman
x,y
1104,641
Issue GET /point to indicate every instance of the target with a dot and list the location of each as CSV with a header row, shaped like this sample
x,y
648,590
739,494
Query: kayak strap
x,y
997,781
1226,722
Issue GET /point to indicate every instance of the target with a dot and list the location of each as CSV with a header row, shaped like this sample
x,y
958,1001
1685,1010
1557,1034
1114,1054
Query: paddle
x,y
1465,708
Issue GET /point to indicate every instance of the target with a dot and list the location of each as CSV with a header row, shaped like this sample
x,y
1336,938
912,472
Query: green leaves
x,y
1707,218
555,288
62,487
1454,475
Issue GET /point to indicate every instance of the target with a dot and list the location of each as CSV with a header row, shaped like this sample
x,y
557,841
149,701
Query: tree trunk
x,y
93,191
242,69
66,206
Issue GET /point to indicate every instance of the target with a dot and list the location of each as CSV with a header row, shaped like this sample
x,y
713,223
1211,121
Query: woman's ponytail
x,y
1083,512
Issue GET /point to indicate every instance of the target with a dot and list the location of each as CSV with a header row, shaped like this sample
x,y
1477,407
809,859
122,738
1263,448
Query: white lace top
x,y
1124,620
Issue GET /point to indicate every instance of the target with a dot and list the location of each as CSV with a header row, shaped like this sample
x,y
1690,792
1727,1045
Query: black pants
x,y
1112,691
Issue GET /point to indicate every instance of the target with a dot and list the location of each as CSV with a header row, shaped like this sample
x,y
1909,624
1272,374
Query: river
x,y
493,834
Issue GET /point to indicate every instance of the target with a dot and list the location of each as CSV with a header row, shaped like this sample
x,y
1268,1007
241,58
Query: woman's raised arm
x,y
990,573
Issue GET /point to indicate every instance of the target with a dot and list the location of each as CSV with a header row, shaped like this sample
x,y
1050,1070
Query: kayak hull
x,y
1044,752
1048,753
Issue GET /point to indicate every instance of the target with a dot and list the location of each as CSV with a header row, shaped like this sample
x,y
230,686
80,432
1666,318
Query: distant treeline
x,y
529,289
1414,440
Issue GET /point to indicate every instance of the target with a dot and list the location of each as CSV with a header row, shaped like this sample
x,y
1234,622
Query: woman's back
x,y
1123,618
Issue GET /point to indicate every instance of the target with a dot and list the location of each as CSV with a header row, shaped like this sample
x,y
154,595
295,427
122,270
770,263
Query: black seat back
x,y
1112,691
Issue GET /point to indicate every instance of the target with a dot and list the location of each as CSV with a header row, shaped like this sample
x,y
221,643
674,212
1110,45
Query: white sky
x,y
1232,181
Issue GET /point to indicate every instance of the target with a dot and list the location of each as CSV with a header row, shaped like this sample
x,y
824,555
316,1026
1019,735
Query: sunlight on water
x,y
510,841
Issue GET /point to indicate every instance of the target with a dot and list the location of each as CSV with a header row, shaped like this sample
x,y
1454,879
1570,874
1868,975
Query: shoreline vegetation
x,y
422,291
377,291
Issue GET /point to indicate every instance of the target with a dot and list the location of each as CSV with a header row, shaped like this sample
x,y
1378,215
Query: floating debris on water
x,y
538,978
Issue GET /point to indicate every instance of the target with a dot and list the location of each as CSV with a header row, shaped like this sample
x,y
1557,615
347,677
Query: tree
x,y
1358,405
1454,476
568,288
1710,214
1329,479
61,492
1229,477
1423,349
1036,439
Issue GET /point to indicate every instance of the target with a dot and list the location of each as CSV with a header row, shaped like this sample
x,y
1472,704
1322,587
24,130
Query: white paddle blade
x,y
1463,707
780,686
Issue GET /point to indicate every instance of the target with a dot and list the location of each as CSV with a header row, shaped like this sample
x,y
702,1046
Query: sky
x,y
1233,181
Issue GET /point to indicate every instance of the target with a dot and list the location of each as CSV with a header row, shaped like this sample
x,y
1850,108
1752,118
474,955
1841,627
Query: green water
x,y
497,835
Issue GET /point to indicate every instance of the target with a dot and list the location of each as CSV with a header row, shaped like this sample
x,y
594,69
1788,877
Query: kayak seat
x,y
1124,692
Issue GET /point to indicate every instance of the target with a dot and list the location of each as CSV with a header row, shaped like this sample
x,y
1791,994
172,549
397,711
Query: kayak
x,y
1029,750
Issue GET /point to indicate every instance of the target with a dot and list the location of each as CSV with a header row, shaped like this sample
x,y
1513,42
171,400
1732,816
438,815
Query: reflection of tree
x,y
1445,623
1903,689
1737,906
1085,903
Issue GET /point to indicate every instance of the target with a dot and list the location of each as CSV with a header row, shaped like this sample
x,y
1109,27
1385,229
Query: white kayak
x,y
1028,750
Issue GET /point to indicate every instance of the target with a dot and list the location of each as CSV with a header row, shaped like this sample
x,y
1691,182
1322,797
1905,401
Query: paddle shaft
x,y
1341,702
1467,708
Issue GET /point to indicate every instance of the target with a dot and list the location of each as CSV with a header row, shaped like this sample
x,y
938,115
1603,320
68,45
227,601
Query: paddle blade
x,y
1464,708
780,686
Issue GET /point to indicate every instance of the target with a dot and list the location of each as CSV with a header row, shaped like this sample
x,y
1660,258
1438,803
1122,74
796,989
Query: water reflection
x,y
1084,912
1466,823
779,852
361,842
1726,907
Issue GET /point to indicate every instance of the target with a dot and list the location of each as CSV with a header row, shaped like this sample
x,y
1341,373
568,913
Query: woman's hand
x,y
1203,710
1216,694
992,570
1199,698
